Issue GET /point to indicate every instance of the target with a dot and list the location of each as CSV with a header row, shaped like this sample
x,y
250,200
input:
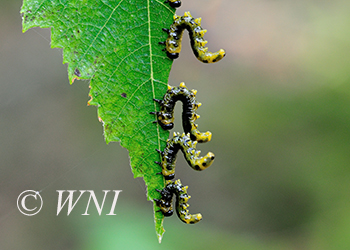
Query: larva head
x,y
174,3
167,210
172,55
165,124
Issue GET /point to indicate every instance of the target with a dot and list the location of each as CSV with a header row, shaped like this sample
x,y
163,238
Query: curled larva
x,y
188,148
174,3
165,116
182,197
175,33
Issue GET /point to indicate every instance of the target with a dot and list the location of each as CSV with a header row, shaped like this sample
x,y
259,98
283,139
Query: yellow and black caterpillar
x,y
165,203
174,3
175,33
165,116
188,148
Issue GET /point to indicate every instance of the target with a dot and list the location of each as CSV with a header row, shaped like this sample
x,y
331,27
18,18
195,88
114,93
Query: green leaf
x,y
115,45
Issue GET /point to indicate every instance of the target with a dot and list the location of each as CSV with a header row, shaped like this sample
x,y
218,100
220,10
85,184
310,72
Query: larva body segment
x,y
166,118
182,197
196,33
168,162
188,148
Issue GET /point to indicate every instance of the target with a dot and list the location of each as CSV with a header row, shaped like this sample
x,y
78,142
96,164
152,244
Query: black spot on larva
x,y
77,73
123,95
196,167
191,222
204,164
213,157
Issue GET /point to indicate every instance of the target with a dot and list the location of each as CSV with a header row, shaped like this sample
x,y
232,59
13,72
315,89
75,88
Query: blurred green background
x,y
278,106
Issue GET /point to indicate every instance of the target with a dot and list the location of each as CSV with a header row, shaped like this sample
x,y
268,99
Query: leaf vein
x,y
104,25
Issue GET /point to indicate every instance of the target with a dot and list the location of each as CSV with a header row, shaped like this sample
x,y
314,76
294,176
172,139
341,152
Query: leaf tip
x,y
160,237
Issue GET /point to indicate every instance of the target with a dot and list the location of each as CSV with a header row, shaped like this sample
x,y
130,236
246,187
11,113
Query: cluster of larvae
x,y
187,141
